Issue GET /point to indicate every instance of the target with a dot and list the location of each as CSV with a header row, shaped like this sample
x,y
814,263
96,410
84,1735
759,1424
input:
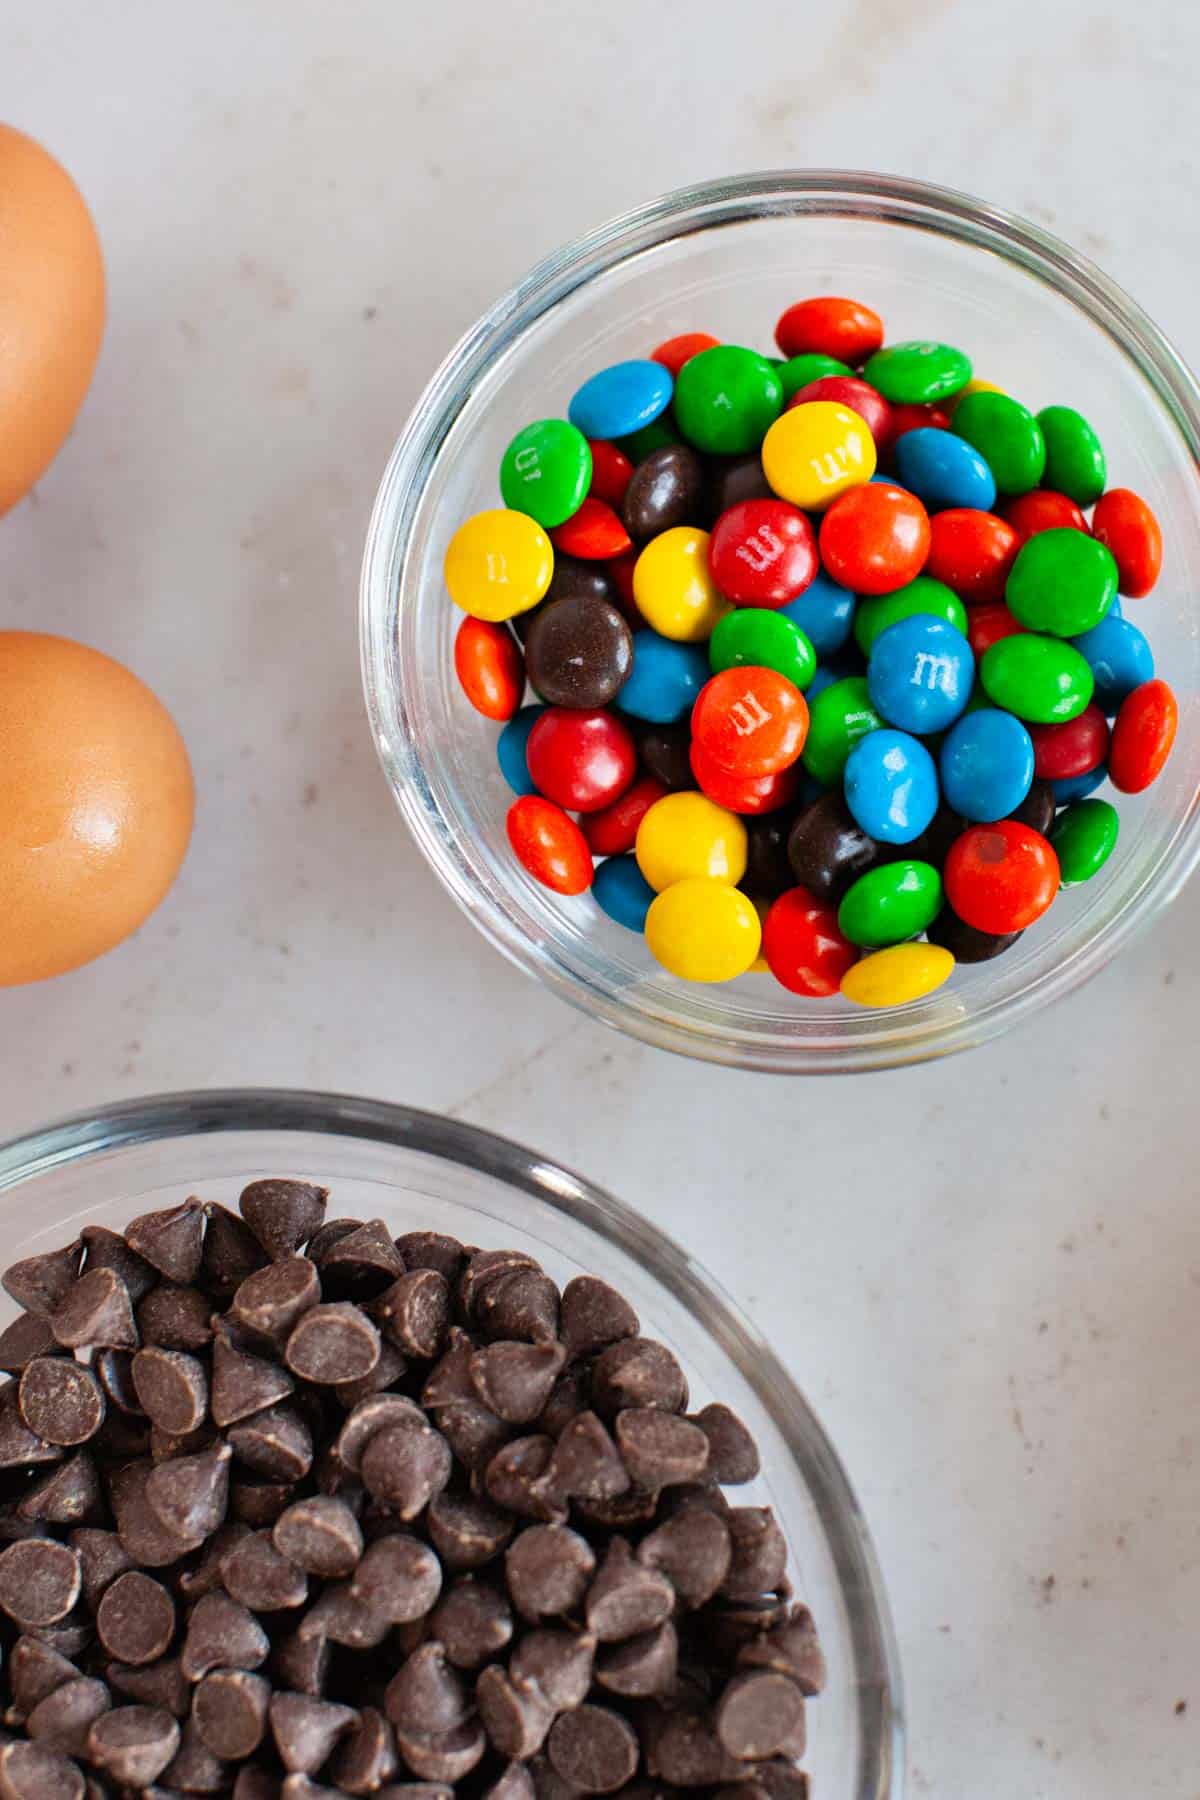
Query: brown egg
x,y
51,310
96,804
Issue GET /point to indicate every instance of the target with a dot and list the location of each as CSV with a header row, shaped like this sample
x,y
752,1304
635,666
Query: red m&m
x,y
762,553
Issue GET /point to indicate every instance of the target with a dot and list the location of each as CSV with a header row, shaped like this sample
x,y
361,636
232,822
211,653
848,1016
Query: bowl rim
x,y
159,1118
886,1040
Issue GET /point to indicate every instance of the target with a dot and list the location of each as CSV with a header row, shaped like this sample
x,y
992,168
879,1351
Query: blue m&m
x,y
891,786
944,470
621,890
511,746
920,673
665,678
986,765
825,614
1119,657
621,399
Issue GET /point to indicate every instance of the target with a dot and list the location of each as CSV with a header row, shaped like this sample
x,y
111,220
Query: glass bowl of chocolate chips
x,y
347,1449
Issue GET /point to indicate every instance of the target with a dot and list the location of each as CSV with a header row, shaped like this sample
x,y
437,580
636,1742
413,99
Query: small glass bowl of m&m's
x,y
778,622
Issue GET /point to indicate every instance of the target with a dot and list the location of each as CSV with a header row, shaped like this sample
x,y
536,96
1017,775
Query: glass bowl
x,y
417,1170
1039,320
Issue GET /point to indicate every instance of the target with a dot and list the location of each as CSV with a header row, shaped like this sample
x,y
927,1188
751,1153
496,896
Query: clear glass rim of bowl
x,y
394,711
161,1117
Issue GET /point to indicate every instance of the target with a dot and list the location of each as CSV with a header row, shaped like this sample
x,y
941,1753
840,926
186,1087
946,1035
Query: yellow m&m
x,y
674,588
904,972
498,564
703,930
685,835
814,452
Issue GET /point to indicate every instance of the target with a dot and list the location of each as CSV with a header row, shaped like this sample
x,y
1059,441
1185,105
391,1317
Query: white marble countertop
x,y
302,206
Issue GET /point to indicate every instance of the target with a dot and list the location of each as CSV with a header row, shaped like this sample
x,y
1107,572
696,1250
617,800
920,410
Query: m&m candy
x,y
811,665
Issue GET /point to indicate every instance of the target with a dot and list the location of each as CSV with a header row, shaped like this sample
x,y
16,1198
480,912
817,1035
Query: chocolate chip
x,y
194,1769
271,1301
548,1568
178,1318
67,1495
693,1550
758,1713
360,1263
399,1577
487,1265
253,1783
594,1749
39,1284
449,1758
204,1576
302,1663
63,1719
732,1452
522,1304
431,1250
775,1779
366,1418
72,1637
257,1576
32,1772
557,1662
367,1757
171,1240
513,1479
386,1373
102,1557
172,1388
132,1744
35,1670
684,1749
515,1714
20,1447
793,1649
466,1532
191,1494
158,1684
28,1335
568,1398
221,1634
626,1599
143,1536
332,1343
658,1449
95,1310
637,1372
585,1463
472,1621
415,1312
345,1620
515,1380
405,1464
243,1383
231,1251
319,1534
230,1712
759,1553
426,1698
516,1783
301,1787
472,1430
276,1443
136,1618
40,1581
642,1665
283,1214
114,1371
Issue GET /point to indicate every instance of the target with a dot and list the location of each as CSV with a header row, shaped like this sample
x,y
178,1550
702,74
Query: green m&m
x,y
1084,837
1041,679
1006,435
914,374
756,637
1062,582
545,471
841,714
891,904
1075,463
922,595
798,371
655,436
725,399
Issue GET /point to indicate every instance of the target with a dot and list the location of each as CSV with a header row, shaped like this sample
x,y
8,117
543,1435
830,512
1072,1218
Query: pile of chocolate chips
x,y
291,1507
